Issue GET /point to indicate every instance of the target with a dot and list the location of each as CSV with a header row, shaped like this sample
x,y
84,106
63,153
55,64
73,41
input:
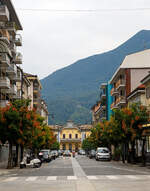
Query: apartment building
x,y
10,59
35,91
137,95
128,76
44,111
96,112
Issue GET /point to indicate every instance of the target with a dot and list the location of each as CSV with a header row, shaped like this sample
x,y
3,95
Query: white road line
x,y
112,177
71,177
131,177
51,178
92,177
32,178
11,179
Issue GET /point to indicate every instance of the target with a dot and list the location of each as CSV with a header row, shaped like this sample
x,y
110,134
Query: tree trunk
x,y
10,160
133,152
143,153
22,150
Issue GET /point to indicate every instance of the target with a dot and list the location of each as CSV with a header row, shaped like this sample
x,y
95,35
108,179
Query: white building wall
x,y
136,76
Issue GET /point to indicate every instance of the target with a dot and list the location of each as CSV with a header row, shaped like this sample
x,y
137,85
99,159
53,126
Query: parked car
x,y
47,157
60,152
103,153
81,152
54,154
92,154
67,153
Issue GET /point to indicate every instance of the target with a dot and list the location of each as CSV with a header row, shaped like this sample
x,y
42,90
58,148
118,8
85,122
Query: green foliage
x,y
88,145
55,146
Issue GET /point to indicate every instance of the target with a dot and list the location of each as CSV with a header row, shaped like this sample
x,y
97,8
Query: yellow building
x,y
70,136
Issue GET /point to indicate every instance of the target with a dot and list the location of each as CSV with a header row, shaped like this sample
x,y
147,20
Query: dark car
x,y
54,154
92,154
67,153
45,155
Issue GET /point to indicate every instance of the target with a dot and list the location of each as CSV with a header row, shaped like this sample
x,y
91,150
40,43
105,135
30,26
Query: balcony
x,y
18,95
17,77
120,101
11,70
74,140
4,83
18,59
114,92
102,95
11,27
12,90
13,48
4,61
114,106
5,39
18,40
4,13
3,103
120,83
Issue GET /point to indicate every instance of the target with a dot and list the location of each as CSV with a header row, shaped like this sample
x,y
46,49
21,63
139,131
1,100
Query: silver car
x,y
103,153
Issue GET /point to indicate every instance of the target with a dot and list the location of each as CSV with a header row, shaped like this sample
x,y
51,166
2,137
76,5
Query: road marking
x,y
32,178
112,177
92,177
51,177
131,177
11,179
72,177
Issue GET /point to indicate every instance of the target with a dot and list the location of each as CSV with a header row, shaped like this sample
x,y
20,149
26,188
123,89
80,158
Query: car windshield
x,y
103,151
44,152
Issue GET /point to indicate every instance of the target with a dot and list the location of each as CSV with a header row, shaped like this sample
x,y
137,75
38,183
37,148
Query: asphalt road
x,y
78,174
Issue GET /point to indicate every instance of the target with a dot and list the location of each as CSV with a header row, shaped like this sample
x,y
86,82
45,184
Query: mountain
x,y
70,92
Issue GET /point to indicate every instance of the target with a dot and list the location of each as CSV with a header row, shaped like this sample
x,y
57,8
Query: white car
x,y
103,153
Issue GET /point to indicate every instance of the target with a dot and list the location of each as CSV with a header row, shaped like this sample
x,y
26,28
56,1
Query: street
x,y
78,174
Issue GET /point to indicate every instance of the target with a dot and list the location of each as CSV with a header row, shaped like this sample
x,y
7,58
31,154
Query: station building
x,y
70,136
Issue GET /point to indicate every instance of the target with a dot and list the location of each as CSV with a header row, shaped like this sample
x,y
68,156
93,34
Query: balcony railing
x,y
17,77
120,100
114,105
4,13
114,91
18,59
120,83
13,48
5,39
12,90
4,60
4,83
4,103
18,95
70,140
12,69
11,27
18,40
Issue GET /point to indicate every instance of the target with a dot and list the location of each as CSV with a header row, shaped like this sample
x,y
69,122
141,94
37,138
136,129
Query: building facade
x,y
70,136
128,76
10,58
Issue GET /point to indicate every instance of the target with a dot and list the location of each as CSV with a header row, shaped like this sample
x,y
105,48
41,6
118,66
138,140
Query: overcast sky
x,y
53,40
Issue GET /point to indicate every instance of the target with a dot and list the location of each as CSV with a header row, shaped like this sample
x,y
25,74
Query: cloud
x,y
54,40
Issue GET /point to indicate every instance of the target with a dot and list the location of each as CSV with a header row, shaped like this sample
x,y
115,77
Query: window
x,y
64,136
76,136
70,136
148,92
64,147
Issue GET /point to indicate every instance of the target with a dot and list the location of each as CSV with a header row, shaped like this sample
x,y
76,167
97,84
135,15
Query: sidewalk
x,y
137,166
